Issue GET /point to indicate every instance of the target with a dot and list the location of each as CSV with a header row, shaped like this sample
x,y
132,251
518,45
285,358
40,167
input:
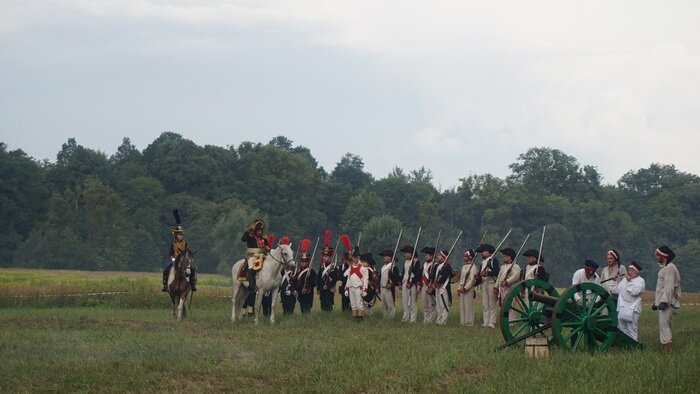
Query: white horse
x,y
269,279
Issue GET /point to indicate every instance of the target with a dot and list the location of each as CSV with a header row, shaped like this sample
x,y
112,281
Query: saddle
x,y
242,275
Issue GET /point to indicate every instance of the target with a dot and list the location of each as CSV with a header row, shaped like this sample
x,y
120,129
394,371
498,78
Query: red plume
x,y
345,239
271,239
327,239
284,240
305,245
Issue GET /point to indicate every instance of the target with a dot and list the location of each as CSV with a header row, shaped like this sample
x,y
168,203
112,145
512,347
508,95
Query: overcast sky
x,y
459,87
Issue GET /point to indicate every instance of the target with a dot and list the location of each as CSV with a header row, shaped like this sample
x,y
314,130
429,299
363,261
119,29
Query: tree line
x,y
88,210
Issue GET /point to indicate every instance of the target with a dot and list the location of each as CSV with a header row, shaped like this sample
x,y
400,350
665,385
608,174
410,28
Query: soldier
x,y
389,278
409,284
466,292
428,293
613,273
287,292
305,280
258,246
441,288
176,248
508,275
345,265
357,283
586,274
489,272
668,294
327,275
629,304
367,261
535,269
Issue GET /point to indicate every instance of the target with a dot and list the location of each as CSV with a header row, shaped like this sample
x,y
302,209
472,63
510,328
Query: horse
x,y
179,287
269,279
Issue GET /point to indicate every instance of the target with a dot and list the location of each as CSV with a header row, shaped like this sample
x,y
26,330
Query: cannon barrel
x,y
545,299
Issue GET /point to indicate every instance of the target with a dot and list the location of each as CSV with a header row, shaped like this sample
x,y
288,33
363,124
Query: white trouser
x,y
489,301
356,302
466,308
388,308
631,328
665,317
428,305
442,307
410,309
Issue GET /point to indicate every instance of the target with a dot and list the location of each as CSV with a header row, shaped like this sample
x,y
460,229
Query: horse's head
x,y
287,256
185,260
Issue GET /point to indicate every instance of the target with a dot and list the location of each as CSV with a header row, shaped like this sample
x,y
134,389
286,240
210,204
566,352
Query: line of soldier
x,y
360,284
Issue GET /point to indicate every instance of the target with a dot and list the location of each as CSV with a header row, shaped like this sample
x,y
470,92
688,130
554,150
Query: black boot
x,y
166,271
251,287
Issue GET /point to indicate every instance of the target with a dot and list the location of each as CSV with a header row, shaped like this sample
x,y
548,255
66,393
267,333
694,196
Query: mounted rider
x,y
258,247
177,247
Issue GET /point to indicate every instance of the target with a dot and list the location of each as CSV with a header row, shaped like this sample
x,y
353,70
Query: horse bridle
x,y
283,262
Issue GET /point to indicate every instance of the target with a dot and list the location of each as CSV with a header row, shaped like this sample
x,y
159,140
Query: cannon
x,y
581,318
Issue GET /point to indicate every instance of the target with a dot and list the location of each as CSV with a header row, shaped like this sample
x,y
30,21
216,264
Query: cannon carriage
x,y
581,318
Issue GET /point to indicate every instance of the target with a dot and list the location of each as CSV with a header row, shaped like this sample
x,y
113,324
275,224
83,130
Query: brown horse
x,y
179,284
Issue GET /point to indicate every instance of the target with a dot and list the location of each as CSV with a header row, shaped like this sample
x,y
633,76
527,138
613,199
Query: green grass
x,y
123,347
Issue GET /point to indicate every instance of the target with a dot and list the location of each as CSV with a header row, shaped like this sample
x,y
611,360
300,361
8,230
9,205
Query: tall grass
x,y
115,348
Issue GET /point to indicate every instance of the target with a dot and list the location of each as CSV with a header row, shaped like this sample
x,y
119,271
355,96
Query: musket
x,y
359,238
410,267
613,278
449,253
393,255
514,262
516,255
539,252
333,257
437,247
308,273
444,285
499,245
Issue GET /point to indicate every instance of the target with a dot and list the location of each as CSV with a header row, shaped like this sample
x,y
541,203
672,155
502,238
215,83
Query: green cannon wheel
x,y
520,314
587,325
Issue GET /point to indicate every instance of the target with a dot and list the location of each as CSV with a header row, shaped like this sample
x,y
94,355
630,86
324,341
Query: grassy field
x,y
128,343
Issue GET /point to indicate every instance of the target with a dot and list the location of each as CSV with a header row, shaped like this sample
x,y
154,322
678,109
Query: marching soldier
x,y
305,280
327,275
388,280
258,246
508,275
535,269
409,284
367,261
176,248
357,283
668,294
466,291
428,293
441,288
489,272
613,273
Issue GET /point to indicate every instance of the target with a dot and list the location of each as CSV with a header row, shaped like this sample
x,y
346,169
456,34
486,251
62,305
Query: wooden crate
x,y
537,347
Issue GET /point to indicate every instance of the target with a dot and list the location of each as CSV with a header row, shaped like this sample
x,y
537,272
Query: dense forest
x,y
88,210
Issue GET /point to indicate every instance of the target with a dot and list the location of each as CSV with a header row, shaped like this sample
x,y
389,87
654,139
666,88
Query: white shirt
x,y
466,277
608,273
580,277
355,281
630,294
